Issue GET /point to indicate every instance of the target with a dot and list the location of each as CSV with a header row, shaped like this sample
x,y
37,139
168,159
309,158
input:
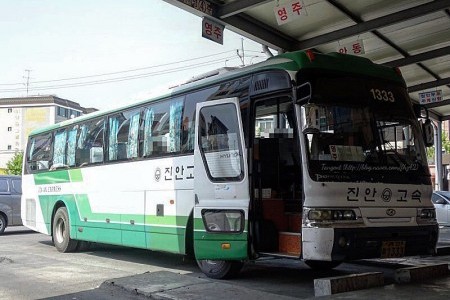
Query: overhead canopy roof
x,y
411,34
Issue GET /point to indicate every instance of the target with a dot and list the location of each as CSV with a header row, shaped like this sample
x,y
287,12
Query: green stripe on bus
x,y
75,175
85,211
80,210
165,233
61,176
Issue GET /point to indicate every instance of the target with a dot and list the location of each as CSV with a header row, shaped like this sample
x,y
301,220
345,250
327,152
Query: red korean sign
x,y
289,11
212,30
355,48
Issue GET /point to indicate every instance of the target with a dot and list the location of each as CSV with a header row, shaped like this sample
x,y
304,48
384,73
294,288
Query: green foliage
x,y
445,142
445,147
14,166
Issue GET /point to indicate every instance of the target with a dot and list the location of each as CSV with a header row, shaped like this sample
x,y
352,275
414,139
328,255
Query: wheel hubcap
x,y
60,230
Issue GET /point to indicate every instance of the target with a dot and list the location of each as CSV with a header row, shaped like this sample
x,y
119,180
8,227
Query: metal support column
x,y
438,155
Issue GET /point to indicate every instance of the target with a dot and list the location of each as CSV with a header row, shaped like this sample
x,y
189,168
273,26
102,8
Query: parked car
x,y
10,194
441,201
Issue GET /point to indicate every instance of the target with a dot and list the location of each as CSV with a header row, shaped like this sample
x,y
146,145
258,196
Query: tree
x,y
14,166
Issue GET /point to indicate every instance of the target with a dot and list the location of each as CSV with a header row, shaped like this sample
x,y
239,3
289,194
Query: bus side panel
x,y
135,209
96,225
39,199
166,218
211,245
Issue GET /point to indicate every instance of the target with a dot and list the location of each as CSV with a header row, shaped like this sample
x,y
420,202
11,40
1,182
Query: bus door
x,y
221,182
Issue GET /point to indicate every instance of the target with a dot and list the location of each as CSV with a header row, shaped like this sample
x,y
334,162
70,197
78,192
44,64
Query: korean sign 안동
x,y
355,48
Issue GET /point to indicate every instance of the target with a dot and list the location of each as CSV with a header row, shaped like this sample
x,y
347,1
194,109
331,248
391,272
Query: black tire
x,y
322,265
220,269
61,232
2,223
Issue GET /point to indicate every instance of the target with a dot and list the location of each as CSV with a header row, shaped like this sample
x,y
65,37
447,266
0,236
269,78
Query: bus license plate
x,y
392,249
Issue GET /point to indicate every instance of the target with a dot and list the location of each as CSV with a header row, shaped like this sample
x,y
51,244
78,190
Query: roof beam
x,y
374,24
249,27
437,104
237,7
428,85
419,57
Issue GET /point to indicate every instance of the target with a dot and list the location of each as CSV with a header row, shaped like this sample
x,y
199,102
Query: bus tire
x,y
220,269
2,223
61,232
322,265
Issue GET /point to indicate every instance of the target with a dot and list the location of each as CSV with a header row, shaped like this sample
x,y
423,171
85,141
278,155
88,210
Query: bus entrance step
x,y
347,283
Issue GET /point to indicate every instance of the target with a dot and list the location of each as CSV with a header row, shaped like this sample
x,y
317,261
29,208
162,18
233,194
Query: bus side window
x,y
123,132
188,124
162,128
156,129
39,152
90,143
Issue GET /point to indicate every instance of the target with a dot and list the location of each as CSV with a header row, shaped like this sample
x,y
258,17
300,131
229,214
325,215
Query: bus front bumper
x,y
339,244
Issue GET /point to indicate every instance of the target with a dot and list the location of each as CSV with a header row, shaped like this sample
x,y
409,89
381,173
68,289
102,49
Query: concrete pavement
x,y
169,285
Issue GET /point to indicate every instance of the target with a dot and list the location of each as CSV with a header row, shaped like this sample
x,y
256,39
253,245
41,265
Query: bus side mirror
x,y
428,133
304,92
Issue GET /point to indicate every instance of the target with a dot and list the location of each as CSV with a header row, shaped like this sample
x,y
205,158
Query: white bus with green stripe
x,y
319,157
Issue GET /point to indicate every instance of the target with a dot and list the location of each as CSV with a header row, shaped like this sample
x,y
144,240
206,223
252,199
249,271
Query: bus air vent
x,y
261,84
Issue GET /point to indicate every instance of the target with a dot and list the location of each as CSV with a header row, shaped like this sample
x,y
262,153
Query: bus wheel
x,y
61,232
2,223
322,265
220,269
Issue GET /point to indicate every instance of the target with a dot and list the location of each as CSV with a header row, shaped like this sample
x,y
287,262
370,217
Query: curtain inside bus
x,y
71,145
113,130
132,146
59,148
148,141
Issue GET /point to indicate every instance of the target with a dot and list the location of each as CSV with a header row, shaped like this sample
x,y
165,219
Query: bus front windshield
x,y
361,141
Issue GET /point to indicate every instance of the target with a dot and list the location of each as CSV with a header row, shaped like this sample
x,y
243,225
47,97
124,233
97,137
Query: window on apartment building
x,y
9,147
9,128
74,113
63,112
9,110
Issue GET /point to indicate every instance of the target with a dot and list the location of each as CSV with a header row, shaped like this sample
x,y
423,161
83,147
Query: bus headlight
x,y
426,213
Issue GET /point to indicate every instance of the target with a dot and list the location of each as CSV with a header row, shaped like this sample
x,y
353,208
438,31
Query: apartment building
x,y
19,116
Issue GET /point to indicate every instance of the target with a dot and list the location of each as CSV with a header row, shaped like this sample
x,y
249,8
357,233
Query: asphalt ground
x,y
31,268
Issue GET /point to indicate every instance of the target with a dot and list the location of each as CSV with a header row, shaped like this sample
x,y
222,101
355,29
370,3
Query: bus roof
x,y
291,61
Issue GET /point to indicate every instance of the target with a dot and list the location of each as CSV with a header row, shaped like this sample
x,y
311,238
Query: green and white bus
x,y
310,156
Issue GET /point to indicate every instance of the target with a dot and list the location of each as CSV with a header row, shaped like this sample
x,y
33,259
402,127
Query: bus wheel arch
x,y
189,236
220,269
61,230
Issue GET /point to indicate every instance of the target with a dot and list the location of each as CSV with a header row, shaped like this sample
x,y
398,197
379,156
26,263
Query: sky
x,y
107,53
